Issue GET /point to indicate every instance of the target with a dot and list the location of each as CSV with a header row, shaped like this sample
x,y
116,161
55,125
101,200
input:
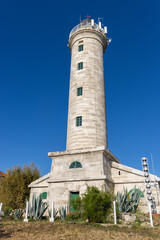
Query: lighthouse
x,y
87,110
87,161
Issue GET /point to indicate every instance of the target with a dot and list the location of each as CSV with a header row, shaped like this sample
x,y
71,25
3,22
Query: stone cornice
x,y
106,151
129,182
52,180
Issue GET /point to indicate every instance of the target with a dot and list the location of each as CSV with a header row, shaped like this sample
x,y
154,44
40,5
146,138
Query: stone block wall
x,y
127,177
91,105
92,165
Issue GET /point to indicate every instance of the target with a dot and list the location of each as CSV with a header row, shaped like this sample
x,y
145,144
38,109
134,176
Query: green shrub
x,y
73,216
138,221
94,205
77,204
7,211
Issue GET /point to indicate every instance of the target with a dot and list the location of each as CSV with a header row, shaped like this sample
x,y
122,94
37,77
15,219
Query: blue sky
x,y
34,78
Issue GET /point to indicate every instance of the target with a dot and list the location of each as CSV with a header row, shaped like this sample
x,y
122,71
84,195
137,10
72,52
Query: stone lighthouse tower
x,y
87,111
87,160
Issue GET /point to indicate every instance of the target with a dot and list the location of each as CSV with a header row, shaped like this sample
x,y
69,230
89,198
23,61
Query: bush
x,y
73,216
14,187
95,204
77,205
7,211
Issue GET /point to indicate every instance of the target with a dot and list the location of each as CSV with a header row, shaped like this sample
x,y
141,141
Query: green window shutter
x,y
80,48
78,121
79,91
44,195
80,65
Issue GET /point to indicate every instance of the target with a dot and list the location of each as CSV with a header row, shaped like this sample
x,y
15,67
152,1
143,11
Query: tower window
x,y
78,121
80,65
79,91
75,164
80,48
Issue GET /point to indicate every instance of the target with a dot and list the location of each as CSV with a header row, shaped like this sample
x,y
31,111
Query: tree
x,y
14,187
94,205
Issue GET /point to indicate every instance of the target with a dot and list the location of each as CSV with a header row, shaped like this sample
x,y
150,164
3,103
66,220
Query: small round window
x,y
75,165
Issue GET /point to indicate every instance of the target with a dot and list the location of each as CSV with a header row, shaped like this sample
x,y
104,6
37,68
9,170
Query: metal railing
x,y
84,24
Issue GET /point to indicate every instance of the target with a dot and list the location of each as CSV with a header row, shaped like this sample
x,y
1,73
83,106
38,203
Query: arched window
x,y
136,190
75,165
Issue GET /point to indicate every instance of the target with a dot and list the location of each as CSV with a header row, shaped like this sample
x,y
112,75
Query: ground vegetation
x,y
94,205
62,230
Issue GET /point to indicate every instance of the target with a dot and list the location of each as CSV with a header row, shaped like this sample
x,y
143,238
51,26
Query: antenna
x,y
80,18
99,19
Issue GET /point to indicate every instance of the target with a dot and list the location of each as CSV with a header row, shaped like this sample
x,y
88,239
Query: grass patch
x,y
65,230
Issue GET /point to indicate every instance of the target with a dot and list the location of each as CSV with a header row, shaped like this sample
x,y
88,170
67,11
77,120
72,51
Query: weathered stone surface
x,y
129,217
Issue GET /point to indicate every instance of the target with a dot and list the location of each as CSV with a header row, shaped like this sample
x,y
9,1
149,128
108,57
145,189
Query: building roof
x,y
2,174
40,182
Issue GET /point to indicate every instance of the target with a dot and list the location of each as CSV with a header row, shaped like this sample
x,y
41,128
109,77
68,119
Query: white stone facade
x,y
87,144
91,105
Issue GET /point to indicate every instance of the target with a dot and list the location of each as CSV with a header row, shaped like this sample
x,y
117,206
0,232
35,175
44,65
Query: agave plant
x,y
38,207
135,198
62,212
18,214
55,212
128,202
123,201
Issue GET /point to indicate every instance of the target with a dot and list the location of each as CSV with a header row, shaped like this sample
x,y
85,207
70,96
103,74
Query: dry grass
x,y
44,230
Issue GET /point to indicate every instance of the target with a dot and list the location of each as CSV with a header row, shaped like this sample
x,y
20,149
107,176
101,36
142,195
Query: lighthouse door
x,y
74,195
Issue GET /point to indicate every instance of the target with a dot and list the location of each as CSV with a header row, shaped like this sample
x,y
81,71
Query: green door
x,y
74,195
